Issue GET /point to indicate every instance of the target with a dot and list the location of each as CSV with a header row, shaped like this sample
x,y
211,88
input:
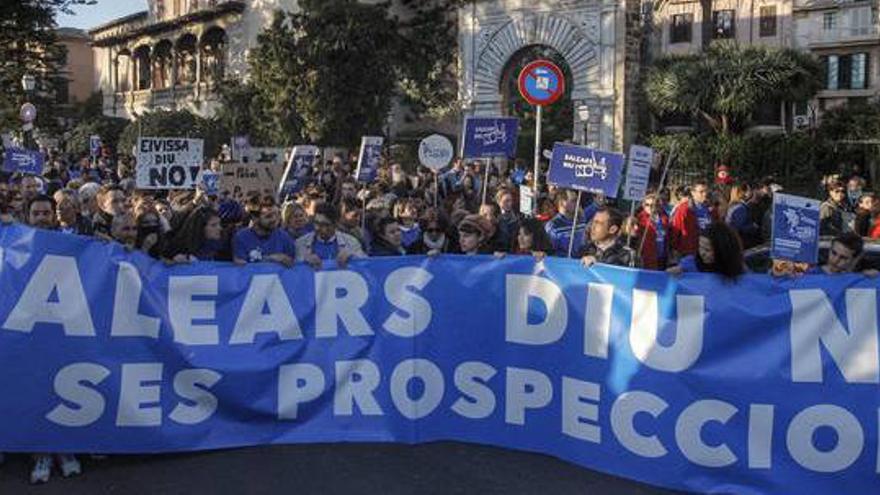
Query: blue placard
x,y
23,161
754,386
299,171
585,169
94,146
490,137
795,229
369,158
209,182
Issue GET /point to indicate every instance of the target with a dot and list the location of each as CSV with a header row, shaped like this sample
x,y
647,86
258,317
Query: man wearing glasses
x,y
326,243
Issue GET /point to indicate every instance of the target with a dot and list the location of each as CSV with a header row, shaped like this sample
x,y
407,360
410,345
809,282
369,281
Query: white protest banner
x,y
526,200
168,163
638,173
254,155
240,179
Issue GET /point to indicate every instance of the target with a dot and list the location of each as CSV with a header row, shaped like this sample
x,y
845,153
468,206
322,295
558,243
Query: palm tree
x,y
723,86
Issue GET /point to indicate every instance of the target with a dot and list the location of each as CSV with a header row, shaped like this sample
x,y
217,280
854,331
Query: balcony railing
x,y
848,34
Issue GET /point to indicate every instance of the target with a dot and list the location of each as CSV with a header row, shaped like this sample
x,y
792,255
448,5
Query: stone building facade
x,y
594,37
171,55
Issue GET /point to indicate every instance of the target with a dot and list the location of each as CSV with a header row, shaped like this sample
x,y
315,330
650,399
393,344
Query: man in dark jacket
x,y
605,244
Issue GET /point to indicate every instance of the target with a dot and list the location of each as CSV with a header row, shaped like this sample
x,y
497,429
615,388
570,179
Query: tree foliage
x,y
852,123
726,84
329,73
179,123
28,44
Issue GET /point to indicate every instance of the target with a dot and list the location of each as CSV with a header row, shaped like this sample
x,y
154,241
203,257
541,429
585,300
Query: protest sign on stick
x,y
168,163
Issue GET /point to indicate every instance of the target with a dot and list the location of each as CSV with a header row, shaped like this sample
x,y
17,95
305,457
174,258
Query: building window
x,y
859,71
861,21
768,21
829,21
681,28
846,71
723,20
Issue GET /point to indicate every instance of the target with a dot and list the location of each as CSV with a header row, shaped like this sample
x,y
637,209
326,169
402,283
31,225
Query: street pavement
x,y
387,469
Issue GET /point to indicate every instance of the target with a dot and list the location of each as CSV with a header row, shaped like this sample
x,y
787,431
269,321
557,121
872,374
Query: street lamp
x,y
28,82
28,110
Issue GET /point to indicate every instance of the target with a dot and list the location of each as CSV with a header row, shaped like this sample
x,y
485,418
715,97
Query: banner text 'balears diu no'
x,y
763,386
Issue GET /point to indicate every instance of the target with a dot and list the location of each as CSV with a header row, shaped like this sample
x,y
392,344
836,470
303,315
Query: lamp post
x,y
28,110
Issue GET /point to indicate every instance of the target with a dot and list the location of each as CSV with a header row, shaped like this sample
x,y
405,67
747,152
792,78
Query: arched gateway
x,y
593,36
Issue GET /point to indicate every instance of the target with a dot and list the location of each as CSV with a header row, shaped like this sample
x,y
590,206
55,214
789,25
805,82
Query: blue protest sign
x,y
369,158
694,383
300,165
94,146
490,137
209,182
585,169
23,161
795,229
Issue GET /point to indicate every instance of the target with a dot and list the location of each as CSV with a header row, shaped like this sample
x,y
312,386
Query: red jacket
x,y
684,231
648,230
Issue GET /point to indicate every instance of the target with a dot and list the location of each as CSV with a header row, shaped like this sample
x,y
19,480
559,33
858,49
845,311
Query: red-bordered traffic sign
x,y
541,83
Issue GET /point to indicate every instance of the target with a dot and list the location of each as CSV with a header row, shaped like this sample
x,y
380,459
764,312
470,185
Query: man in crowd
x,y
559,227
70,219
834,212
111,202
264,240
509,218
41,212
691,216
326,243
844,256
606,244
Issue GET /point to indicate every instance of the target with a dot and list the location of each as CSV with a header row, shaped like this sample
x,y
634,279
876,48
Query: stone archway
x,y
588,34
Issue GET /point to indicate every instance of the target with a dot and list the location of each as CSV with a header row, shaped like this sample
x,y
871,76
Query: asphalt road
x,y
387,469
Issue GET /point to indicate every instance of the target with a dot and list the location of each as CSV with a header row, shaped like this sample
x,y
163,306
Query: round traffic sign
x,y
435,152
28,113
541,83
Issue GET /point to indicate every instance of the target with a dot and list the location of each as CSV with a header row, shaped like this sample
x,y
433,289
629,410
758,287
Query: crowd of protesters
x,y
332,218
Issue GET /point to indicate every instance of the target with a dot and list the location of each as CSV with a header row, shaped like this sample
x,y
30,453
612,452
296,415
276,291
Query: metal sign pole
x,y
436,189
486,180
537,156
574,225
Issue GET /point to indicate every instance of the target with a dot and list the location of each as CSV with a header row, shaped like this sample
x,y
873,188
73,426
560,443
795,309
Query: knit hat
x,y
479,223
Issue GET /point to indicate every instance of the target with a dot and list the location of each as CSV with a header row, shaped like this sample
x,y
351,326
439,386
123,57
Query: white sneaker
x,y
69,465
42,469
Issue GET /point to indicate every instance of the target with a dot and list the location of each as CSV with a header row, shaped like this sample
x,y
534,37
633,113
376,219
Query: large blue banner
x,y
488,137
755,387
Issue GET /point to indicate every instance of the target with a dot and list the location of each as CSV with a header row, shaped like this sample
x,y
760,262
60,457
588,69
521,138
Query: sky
x,y
103,11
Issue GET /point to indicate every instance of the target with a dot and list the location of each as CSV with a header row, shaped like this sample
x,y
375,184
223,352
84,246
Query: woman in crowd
x,y
531,238
653,226
434,238
149,233
407,214
739,217
387,238
719,251
295,220
200,237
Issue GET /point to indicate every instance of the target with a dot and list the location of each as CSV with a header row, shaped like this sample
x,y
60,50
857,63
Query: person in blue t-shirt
x,y
264,241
